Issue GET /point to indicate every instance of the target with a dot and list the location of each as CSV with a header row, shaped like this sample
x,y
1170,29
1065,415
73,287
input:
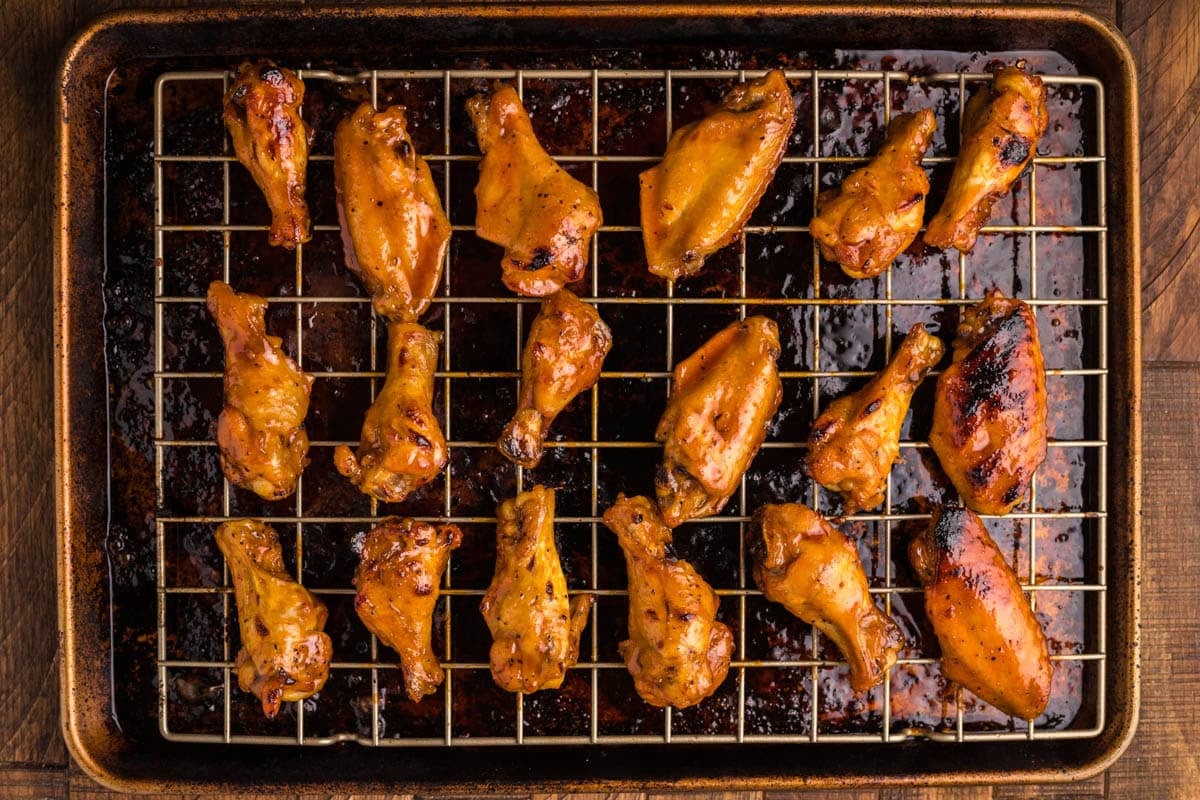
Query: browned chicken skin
x,y
989,414
401,446
813,570
398,583
535,626
563,355
856,439
526,203
1001,127
715,170
285,653
677,651
262,115
261,429
990,638
723,398
876,212
394,231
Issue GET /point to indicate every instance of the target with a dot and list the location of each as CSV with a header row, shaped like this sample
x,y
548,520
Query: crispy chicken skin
x,y
260,432
285,653
715,170
262,115
526,203
401,447
723,398
677,651
1000,131
855,441
394,231
535,626
563,355
989,412
813,570
876,212
990,639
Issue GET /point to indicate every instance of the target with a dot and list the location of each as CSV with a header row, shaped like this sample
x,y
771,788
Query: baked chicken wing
x,y
563,355
989,413
262,115
715,170
260,432
535,626
401,447
990,639
1001,127
398,582
723,398
677,651
285,652
813,570
394,231
876,212
856,440
526,203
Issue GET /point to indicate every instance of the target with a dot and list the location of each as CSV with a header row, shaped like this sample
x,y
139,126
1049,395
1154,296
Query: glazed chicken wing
x,y
856,440
813,570
991,641
401,446
398,583
563,355
526,203
262,115
260,432
677,651
723,398
989,414
1000,131
535,626
712,176
285,653
394,231
876,212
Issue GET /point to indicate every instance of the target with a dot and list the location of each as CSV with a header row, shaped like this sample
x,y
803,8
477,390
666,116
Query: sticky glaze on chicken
x,y
723,397
285,653
677,651
712,176
394,231
1001,127
401,447
563,355
876,212
260,432
535,626
856,439
526,203
398,583
990,638
989,413
813,570
262,115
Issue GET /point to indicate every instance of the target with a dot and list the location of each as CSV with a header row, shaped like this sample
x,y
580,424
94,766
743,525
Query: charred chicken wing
x,y
712,176
398,582
526,203
989,414
991,641
260,432
677,651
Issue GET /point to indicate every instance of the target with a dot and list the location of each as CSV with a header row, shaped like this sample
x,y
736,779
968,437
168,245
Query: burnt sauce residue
x,y
632,120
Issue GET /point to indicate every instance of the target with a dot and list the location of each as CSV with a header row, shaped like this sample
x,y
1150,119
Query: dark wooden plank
x,y
43,784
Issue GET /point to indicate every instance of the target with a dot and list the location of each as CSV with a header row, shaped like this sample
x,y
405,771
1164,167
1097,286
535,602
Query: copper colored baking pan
x,y
96,665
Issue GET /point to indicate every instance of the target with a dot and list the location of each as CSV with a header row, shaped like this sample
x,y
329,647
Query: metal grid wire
x,y
464,601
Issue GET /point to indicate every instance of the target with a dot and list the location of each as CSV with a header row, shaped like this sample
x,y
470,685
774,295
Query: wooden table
x,y
1161,763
